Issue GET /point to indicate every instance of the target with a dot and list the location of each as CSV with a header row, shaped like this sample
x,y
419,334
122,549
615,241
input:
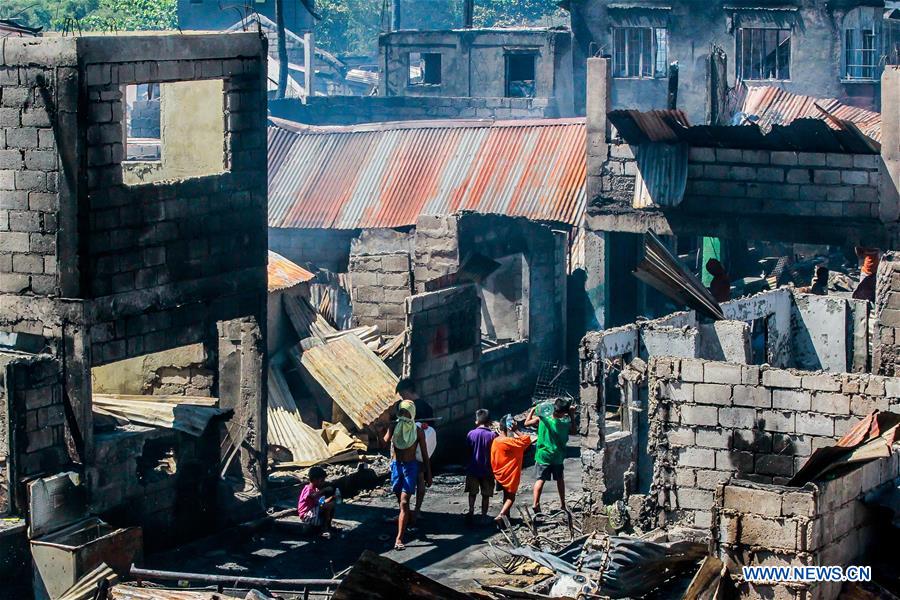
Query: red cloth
x,y
507,455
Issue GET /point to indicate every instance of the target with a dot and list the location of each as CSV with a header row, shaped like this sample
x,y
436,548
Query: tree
x,y
100,15
352,26
132,15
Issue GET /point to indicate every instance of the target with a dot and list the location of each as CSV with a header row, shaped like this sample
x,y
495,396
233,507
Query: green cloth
x,y
553,435
711,248
405,434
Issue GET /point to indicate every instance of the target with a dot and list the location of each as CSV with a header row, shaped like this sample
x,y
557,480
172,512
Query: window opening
x,y
424,68
640,52
520,75
764,54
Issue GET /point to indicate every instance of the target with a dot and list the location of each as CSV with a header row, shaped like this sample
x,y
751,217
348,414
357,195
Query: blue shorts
x,y
404,476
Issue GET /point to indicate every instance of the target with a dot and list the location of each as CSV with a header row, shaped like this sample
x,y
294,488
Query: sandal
x,y
399,546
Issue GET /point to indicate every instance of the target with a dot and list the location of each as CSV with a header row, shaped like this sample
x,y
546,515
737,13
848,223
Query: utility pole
x,y
282,50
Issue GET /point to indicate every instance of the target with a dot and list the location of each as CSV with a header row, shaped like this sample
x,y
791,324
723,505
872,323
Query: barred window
x,y
862,47
763,54
640,52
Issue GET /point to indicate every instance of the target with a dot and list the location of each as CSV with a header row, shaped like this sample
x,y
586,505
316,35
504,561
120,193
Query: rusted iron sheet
x,y
284,274
353,377
775,106
800,135
387,174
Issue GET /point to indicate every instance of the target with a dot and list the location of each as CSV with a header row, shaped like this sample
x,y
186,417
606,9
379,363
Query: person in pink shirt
x,y
316,504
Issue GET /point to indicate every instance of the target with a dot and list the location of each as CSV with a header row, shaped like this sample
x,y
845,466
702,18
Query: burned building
x,y
809,47
107,258
424,199
717,426
654,171
535,64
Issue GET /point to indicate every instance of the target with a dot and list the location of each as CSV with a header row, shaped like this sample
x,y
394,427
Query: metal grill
x,y
555,380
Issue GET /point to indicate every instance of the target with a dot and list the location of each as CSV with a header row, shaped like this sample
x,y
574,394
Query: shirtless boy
x,y
405,438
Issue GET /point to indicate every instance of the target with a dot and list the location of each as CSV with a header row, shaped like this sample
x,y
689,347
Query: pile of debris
x,y
344,385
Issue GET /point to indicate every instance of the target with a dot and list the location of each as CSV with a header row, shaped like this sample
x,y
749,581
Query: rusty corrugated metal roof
x,y
387,174
353,377
285,274
775,106
801,134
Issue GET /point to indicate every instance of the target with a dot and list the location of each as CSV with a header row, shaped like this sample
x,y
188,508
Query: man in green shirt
x,y
553,436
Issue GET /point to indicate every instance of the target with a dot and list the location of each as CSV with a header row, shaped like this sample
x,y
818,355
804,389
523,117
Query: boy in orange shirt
x,y
507,455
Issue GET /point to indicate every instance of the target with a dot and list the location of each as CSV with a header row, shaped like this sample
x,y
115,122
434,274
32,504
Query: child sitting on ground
x,y
317,501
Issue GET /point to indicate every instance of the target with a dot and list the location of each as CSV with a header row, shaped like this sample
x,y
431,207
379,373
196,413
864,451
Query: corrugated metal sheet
x,y
387,174
800,135
353,377
774,106
285,274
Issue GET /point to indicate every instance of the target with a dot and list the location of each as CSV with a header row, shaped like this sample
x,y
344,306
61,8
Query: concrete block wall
x,y
145,118
380,284
32,97
32,432
544,291
886,326
151,266
443,350
812,184
820,524
616,173
156,478
711,420
437,250
352,110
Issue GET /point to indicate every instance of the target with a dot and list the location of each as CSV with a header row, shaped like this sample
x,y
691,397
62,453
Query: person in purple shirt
x,y
479,476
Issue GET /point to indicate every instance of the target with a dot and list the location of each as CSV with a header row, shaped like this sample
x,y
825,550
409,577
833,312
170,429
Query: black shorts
x,y
548,472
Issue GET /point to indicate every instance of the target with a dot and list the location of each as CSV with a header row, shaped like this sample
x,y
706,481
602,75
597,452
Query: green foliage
x,y
352,26
507,13
132,15
96,15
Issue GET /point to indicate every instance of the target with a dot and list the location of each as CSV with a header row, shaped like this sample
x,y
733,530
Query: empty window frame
x,y
165,152
862,47
424,68
142,122
520,74
640,52
763,54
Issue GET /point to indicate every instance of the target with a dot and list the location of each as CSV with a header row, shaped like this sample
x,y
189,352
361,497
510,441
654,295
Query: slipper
x,y
399,546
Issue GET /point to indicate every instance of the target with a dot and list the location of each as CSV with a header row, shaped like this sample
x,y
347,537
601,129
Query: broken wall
x,y
32,424
886,325
822,523
160,479
181,371
437,250
443,350
710,421
541,295
379,286
829,333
